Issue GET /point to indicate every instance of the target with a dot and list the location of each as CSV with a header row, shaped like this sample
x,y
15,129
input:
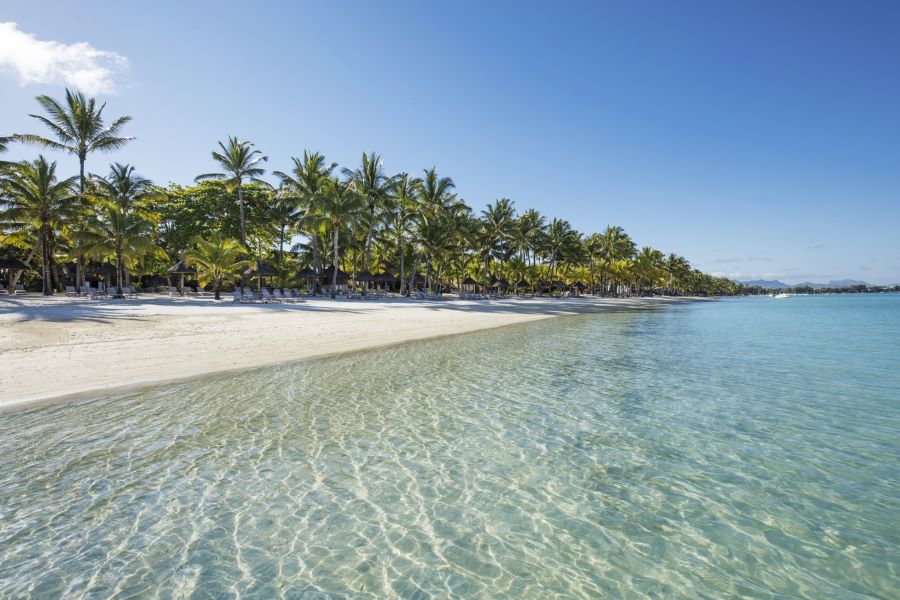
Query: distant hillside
x,y
840,283
769,284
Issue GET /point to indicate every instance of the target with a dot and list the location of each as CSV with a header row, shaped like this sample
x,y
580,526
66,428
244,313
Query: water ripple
x,y
704,451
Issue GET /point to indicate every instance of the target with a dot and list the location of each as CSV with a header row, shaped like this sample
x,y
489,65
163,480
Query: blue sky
x,y
758,139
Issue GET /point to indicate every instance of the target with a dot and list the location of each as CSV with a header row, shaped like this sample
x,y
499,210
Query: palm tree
x,y
309,179
402,208
615,245
35,200
123,234
123,224
373,186
496,221
217,259
342,206
79,129
239,161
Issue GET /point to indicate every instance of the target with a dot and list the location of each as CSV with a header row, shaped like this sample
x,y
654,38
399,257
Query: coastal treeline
x,y
309,220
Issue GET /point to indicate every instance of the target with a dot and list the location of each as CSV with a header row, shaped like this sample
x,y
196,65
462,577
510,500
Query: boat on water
x,y
784,295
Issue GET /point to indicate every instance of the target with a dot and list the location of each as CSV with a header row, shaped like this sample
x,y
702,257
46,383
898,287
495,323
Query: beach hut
x,y
500,284
364,277
181,270
468,285
521,285
328,276
385,279
308,276
261,271
102,272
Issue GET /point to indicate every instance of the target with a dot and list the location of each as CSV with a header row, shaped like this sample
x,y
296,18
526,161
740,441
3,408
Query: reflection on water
x,y
737,448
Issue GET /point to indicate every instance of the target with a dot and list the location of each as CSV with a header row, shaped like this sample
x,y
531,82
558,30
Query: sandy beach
x,y
56,347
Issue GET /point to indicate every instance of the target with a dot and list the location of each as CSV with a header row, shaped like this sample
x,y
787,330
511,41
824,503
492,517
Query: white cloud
x,y
78,65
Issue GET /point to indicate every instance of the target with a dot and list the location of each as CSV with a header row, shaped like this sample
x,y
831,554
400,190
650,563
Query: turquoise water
x,y
745,447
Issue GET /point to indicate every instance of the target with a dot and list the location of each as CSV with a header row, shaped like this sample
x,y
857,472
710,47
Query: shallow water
x,y
739,448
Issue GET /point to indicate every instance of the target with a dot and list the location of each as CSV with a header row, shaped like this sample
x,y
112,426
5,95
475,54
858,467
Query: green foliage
x,y
188,212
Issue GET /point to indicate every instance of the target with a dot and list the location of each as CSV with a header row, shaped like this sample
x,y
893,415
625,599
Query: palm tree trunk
x,y
240,191
334,275
402,268
315,253
79,258
119,293
45,269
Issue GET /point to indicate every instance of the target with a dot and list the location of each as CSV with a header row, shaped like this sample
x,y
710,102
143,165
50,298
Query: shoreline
x,y
61,349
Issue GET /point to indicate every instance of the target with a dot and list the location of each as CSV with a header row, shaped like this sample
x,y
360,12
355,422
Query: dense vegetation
x,y
359,219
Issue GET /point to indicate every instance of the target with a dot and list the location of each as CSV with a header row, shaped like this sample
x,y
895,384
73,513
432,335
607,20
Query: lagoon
x,y
743,447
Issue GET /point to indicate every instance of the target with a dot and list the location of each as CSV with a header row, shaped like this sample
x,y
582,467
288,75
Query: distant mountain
x,y
840,283
769,284
774,284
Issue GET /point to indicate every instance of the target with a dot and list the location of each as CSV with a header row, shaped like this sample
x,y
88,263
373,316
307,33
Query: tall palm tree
x,y
217,259
342,206
123,223
309,179
496,221
615,245
436,192
372,184
78,127
402,205
240,162
36,200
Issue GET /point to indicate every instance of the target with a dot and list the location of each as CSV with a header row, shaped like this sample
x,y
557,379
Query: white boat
x,y
785,295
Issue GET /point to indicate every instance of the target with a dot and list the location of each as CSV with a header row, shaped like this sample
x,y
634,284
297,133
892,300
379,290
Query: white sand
x,y
53,347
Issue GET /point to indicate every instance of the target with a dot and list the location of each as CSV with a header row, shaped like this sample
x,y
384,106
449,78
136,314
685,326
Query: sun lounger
x,y
20,289
291,296
70,290
173,291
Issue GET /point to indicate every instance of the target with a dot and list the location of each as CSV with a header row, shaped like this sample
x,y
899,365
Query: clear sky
x,y
757,138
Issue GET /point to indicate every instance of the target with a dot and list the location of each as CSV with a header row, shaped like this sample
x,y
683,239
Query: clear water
x,y
739,448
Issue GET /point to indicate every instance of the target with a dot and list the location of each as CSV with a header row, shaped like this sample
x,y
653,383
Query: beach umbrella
x,y
328,275
260,271
469,281
385,278
306,273
181,270
364,277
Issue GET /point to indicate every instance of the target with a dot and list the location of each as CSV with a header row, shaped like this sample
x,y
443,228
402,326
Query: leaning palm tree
x,y
217,259
78,128
342,206
35,200
239,162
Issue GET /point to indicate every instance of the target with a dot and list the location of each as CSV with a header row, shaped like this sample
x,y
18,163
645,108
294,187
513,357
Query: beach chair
x,y
173,291
20,289
266,296
249,296
70,290
238,296
277,295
